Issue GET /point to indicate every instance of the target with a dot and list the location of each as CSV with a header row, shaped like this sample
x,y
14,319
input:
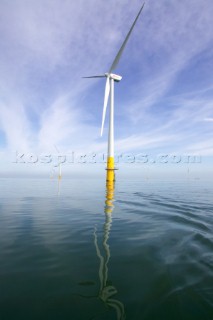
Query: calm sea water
x,y
69,254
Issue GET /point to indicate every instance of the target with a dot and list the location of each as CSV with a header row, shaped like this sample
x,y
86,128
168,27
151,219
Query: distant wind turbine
x,y
59,166
109,89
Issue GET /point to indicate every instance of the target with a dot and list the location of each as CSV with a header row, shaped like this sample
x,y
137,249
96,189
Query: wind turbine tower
x,y
109,89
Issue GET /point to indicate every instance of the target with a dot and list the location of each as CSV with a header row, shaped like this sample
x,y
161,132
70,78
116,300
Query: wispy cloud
x,y
15,125
208,119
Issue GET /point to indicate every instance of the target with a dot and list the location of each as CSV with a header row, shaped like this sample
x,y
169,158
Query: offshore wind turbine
x,y
109,89
59,166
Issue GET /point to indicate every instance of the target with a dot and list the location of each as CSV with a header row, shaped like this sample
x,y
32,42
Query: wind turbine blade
x,y
118,56
106,97
101,76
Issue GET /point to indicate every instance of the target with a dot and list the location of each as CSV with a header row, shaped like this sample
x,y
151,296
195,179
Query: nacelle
x,y
116,77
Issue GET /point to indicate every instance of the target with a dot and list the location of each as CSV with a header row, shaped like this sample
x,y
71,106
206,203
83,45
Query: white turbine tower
x,y
109,89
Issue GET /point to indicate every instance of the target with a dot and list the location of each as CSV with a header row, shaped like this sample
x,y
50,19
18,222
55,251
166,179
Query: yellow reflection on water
x,y
110,187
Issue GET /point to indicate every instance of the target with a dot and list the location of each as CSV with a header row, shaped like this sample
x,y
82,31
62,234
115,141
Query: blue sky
x,y
162,105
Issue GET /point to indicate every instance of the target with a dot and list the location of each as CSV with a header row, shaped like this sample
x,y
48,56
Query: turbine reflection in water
x,y
106,291
59,186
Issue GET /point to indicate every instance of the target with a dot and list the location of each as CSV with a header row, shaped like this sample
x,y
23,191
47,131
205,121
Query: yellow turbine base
x,y
110,169
110,163
110,175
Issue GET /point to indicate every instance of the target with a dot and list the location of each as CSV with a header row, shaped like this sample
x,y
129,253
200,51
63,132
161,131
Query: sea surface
x,y
81,250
